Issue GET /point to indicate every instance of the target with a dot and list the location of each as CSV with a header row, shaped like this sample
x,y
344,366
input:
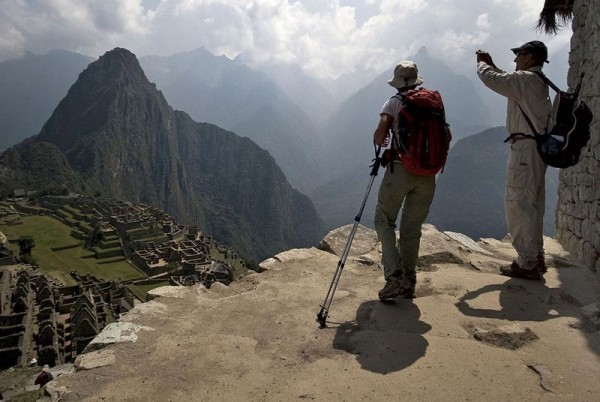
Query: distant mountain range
x,y
350,129
317,102
31,87
115,134
231,95
469,196
323,147
283,110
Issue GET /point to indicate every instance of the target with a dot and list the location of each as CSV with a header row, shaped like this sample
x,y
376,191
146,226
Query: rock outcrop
x,y
471,334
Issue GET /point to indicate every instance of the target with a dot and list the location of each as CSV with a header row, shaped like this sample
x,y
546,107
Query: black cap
x,y
533,47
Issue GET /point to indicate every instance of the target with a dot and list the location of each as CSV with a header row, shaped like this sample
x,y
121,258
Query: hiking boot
x,y
391,290
541,264
408,286
407,293
515,271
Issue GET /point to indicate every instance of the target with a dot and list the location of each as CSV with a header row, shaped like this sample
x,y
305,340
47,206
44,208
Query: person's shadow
x,y
385,337
519,301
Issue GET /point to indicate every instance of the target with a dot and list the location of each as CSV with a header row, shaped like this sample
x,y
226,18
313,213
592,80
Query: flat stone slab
x,y
296,254
467,242
511,336
166,291
92,360
116,332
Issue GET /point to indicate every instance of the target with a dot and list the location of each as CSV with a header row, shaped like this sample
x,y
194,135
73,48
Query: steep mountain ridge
x,y
233,96
120,137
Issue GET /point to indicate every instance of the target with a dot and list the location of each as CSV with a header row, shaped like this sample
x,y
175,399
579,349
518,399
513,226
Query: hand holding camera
x,y
485,57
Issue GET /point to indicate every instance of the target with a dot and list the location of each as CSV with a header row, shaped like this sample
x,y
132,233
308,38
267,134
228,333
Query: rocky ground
x,y
470,335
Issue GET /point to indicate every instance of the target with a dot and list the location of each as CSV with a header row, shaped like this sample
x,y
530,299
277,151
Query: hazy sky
x,y
325,37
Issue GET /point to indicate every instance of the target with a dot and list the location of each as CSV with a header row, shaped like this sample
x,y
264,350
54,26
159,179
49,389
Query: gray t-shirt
x,y
391,107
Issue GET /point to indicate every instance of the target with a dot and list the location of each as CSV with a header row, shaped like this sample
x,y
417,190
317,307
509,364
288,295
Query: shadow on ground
x,y
385,337
522,300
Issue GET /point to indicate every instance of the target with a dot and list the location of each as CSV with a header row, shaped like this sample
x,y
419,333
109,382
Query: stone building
x,y
578,209
41,319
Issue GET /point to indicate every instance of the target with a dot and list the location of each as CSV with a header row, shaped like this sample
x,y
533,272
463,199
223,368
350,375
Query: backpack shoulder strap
x,y
397,141
547,80
535,133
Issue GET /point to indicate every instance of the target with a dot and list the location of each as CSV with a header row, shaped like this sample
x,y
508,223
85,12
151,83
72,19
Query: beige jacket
x,y
522,88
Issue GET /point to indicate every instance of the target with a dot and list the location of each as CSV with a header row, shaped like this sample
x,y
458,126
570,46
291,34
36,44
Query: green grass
x,y
145,234
236,264
141,290
48,232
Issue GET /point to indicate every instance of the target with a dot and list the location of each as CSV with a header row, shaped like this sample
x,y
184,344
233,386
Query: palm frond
x,y
555,15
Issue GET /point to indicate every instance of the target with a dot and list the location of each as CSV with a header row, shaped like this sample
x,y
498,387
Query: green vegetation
x,y
26,244
50,234
145,234
74,241
142,289
236,264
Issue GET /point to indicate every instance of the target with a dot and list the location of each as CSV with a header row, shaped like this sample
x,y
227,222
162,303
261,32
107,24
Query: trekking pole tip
x,y
321,318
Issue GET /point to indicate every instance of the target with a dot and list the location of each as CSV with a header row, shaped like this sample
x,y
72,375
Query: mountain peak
x,y
423,52
115,62
97,97
118,52
121,137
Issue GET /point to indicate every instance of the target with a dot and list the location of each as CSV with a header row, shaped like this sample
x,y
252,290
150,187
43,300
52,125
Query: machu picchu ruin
x,y
50,320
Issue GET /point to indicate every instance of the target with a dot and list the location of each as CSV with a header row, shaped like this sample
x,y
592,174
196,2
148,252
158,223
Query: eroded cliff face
x,y
578,210
470,333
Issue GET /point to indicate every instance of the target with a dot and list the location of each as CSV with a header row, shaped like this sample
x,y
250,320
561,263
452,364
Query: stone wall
x,y
578,210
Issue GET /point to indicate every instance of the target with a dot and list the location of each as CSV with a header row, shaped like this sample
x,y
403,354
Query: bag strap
x,y
547,81
527,119
400,146
556,89
533,137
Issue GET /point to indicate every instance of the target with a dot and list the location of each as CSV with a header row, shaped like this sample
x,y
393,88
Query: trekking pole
x,y
322,315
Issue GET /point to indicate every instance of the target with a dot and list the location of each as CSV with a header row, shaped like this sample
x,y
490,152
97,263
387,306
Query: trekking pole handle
x,y
376,161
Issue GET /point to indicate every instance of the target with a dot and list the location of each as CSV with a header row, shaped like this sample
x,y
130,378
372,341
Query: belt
x,y
514,137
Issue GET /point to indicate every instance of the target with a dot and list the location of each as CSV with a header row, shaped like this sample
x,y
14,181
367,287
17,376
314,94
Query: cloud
x,y
86,26
483,21
325,37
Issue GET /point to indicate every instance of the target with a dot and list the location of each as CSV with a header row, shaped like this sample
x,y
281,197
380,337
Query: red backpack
x,y
424,138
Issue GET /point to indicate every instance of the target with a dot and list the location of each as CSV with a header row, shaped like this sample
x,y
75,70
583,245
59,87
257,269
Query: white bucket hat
x,y
406,74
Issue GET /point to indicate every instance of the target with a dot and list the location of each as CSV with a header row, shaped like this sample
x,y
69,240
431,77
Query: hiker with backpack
x,y
418,147
528,115
44,377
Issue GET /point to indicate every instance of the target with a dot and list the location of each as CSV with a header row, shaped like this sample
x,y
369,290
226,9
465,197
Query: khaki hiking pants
x,y
524,201
416,193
